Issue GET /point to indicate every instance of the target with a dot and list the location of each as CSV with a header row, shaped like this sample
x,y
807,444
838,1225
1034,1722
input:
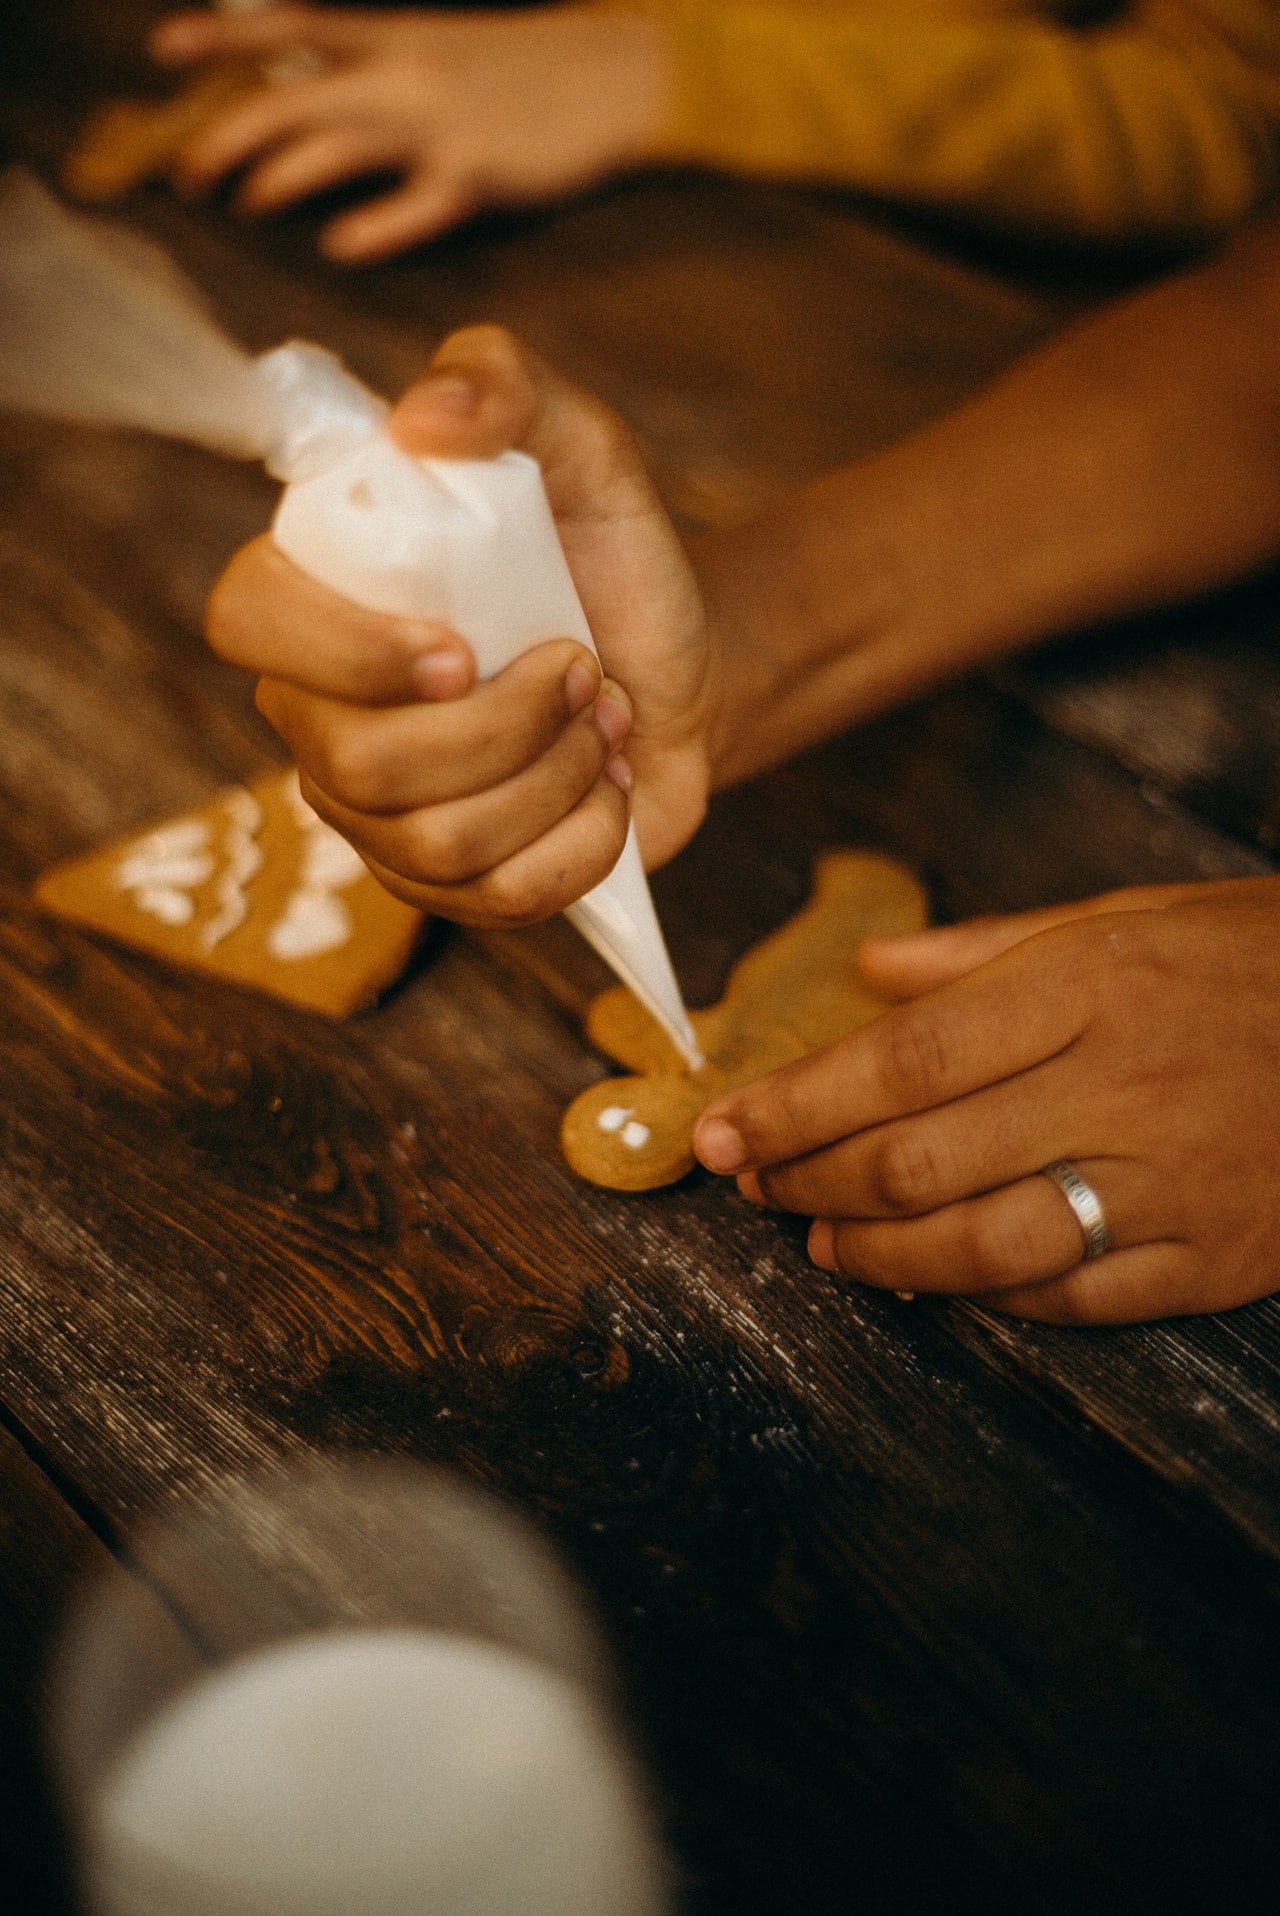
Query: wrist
x,y
631,92
822,613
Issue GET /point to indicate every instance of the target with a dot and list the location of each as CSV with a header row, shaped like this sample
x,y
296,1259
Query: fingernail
x,y
451,395
613,719
441,675
751,1188
620,772
719,1146
579,686
822,1245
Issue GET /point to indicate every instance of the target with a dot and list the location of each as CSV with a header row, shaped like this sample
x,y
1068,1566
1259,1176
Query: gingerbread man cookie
x,y
798,989
255,886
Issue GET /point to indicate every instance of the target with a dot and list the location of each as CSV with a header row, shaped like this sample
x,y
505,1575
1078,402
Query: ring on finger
x,y
1085,1203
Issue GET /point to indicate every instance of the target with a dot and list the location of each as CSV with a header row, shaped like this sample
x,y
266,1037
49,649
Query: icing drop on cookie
x,y
163,902
243,862
314,919
619,1118
164,868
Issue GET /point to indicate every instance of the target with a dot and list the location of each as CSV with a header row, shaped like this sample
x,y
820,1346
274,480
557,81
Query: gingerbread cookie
x,y
798,989
128,142
256,887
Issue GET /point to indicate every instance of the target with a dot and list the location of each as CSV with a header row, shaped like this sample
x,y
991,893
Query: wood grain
x,y
913,1607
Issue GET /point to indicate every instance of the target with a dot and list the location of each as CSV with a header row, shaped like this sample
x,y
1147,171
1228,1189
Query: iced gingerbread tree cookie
x,y
255,887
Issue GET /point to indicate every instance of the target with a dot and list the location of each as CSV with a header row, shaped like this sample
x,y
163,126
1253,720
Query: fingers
x,y
1020,1236
932,1158
334,103
458,840
383,761
1126,1287
1017,1251
309,165
983,1028
920,961
186,37
267,615
544,877
420,209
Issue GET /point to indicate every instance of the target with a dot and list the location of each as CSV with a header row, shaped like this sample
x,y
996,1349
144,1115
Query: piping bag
x,y
99,326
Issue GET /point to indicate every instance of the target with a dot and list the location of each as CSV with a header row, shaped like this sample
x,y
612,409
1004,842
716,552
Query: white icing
x,y
164,868
621,1118
178,836
244,861
171,907
314,920
142,868
329,863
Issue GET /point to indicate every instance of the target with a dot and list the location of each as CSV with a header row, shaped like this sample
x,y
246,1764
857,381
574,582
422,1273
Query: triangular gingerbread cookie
x,y
254,886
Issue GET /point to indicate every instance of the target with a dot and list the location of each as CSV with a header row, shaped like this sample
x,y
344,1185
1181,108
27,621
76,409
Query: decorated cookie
x,y
798,989
255,887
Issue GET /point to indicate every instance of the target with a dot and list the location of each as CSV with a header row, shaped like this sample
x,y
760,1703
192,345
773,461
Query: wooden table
x,y
913,1606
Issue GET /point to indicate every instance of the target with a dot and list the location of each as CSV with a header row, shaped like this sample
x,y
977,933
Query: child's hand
x,y
1136,1036
469,110
500,804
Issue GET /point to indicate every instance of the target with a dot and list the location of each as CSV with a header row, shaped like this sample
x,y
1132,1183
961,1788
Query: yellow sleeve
x,y
1163,124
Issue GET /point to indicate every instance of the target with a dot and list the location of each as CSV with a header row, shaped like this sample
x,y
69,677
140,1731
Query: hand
x,y
469,110
1137,1035
502,803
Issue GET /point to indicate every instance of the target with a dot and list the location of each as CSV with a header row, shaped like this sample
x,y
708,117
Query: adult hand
x,y
1137,1036
469,110
502,803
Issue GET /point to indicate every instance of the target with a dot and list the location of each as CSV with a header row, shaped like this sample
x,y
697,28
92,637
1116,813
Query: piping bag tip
x,y
618,921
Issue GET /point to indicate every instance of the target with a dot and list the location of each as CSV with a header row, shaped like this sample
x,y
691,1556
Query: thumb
x,y
476,399
486,391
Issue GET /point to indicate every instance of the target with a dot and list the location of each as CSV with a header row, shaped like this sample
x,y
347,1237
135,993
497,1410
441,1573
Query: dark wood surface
x,y
914,1607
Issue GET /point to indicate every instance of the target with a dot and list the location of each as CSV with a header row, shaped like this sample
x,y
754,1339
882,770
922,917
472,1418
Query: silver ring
x,y
1086,1204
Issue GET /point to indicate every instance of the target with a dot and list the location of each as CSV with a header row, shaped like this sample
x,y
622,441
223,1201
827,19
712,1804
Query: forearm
x,y
1131,463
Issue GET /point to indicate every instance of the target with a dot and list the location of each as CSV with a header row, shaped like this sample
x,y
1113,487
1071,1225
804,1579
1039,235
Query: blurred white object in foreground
x,y
381,1697
385,1772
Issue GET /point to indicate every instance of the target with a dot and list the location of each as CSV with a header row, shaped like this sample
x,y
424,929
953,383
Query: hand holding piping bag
x,y
501,803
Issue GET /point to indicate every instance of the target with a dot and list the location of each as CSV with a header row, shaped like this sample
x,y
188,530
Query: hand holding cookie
x,y
1134,1036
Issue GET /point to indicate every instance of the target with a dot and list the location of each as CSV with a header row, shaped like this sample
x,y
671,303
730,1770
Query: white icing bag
x,y
99,326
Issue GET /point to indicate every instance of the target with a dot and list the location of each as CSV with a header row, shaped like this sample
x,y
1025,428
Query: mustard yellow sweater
x,y
1161,121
